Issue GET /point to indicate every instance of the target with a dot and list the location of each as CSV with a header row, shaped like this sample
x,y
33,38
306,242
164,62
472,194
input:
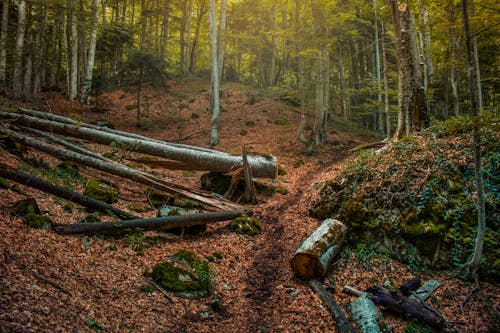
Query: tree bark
x,y
28,65
39,78
3,42
366,314
453,58
262,166
17,77
386,89
61,192
311,259
73,51
87,83
157,223
212,36
480,203
164,33
342,324
189,16
221,38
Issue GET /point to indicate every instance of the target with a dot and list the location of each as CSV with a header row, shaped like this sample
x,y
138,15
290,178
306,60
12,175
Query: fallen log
x,y
200,159
61,192
157,223
342,324
366,314
424,291
121,170
311,259
405,307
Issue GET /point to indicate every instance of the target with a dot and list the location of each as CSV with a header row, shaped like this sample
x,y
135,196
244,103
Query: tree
x,y
87,83
212,35
411,97
72,49
17,77
480,204
3,42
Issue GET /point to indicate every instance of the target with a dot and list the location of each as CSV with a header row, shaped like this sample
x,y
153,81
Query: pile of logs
x,y
310,262
49,133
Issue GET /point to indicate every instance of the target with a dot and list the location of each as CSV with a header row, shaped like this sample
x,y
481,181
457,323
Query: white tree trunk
x,y
40,47
17,79
380,119
274,43
188,36
28,66
87,83
221,43
73,51
3,41
212,35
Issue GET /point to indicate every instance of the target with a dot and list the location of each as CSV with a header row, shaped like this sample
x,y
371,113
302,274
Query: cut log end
x,y
307,266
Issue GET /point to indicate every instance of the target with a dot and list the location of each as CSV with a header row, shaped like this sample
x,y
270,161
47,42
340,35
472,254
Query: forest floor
x,y
53,283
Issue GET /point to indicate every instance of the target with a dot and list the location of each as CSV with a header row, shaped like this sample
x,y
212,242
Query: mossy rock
x,y
4,183
101,191
30,212
246,225
184,274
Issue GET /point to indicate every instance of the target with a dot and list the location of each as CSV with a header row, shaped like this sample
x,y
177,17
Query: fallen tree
x,y
42,185
157,223
121,170
198,158
311,259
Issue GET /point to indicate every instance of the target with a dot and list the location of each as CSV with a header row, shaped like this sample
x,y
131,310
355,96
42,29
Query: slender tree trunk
x,y
212,35
182,39
82,43
3,42
41,49
73,51
453,58
17,77
380,118
164,34
386,88
480,204
221,38
28,66
87,84
343,106
56,48
188,37
274,43
477,68
192,57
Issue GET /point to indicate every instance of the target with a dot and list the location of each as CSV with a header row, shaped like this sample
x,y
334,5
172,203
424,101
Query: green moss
x,y
68,207
281,122
281,170
145,124
147,288
138,208
243,132
354,213
282,190
246,225
217,255
188,173
101,191
250,123
36,221
3,183
158,199
185,273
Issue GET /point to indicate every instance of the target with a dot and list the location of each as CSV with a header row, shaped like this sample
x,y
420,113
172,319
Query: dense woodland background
x,y
339,57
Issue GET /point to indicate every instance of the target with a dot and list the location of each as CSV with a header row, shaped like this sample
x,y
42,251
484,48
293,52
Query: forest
x,y
249,166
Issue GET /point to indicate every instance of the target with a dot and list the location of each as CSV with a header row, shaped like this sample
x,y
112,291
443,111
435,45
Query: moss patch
x,y
185,274
158,199
101,191
3,183
246,225
30,213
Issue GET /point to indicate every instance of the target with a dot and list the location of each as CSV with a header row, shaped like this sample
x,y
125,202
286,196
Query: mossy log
x,y
157,223
124,171
42,185
342,324
199,158
424,291
311,259
366,314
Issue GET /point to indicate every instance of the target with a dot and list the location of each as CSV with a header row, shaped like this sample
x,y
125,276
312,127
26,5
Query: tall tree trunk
x,y
274,46
17,77
380,118
343,104
212,36
41,49
28,66
87,84
221,38
477,68
3,42
188,36
82,43
192,57
480,204
56,48
386,88
73,51
182,39
164,33
453,58
411,98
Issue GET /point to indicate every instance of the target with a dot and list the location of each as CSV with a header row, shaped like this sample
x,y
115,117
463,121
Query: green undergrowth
x,y
64,174
184,273
101,191
416,198
246,225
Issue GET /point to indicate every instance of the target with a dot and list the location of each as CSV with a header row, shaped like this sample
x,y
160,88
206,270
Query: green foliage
x,y
36,220
93,325
416,198
414,326
246,225
147,288
281,170
4,183
144,66
145,124
137,241
281,122
101,191
250,123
